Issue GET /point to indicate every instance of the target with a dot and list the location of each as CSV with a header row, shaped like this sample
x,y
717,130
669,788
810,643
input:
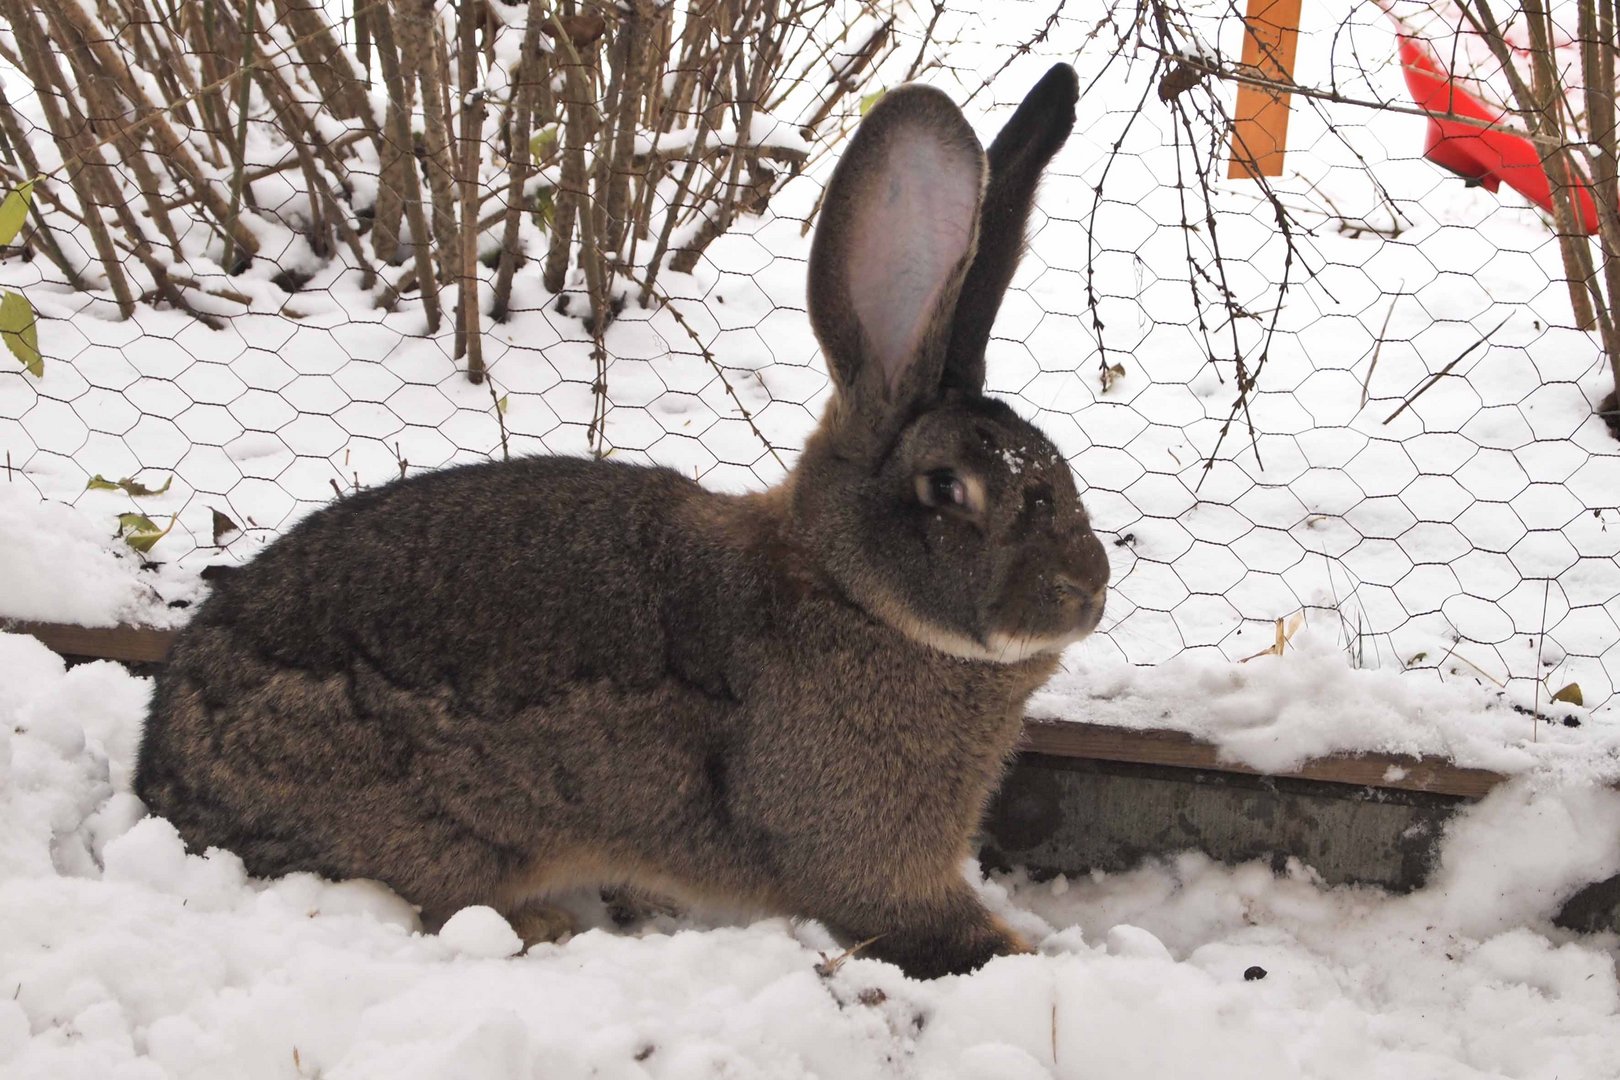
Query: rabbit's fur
x,y
491,682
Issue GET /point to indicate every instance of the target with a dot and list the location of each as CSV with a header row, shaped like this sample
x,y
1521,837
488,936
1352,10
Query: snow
x,y
1276,713
60,566
124,956
765,130
480,931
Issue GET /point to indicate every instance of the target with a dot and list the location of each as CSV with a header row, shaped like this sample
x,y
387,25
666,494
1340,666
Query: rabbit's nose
x,y
1067,585
1085,598
1087,569
1086,591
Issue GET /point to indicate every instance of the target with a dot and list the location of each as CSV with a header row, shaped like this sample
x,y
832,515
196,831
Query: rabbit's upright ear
x,y
1021,151
896,233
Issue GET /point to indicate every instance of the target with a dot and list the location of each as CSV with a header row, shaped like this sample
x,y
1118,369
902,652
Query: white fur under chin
x,y
1000,648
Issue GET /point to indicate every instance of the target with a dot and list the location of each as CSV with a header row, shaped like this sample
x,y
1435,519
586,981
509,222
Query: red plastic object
x,y
1482,156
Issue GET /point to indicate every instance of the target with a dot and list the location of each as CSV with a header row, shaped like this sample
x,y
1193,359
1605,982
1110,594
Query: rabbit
x,y
498,681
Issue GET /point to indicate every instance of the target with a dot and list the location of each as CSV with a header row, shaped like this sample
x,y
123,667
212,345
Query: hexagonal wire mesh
x,y
1413,462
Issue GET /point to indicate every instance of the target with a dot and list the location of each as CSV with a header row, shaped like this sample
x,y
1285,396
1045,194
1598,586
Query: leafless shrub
x,y
604,141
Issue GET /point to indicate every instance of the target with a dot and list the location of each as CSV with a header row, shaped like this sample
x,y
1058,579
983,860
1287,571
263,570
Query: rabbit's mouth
x,y
1079,610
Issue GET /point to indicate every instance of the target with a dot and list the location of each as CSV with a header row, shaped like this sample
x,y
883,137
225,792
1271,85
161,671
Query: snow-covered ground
x,y
124,957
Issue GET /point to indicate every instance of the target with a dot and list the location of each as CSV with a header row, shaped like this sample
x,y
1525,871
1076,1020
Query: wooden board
x,y
1068,738
136,644
1260,119
1059,738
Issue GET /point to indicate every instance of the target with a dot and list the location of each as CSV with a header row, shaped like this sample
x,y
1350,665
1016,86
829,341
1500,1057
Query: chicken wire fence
x,y
1355,393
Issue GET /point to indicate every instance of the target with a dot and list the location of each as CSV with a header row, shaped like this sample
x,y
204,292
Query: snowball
x,y
480,931
150,853
1124,940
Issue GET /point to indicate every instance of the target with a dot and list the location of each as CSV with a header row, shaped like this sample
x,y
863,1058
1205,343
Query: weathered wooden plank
x,y
137,644
1067,738
1260,118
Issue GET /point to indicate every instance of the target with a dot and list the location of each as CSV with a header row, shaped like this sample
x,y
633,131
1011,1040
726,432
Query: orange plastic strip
x,y
1260,122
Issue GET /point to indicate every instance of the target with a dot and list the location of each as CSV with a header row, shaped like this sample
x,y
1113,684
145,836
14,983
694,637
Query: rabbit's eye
x,y
942,487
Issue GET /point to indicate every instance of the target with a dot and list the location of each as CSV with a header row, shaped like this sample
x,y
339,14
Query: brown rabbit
x,y
491,682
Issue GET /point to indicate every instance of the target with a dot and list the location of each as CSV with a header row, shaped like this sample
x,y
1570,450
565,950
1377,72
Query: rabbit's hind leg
x,y
627,905
949,933
527,898
537,922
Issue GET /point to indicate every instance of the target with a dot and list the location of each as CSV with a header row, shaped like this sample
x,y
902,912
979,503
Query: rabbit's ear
x,y
896,232
1036,131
